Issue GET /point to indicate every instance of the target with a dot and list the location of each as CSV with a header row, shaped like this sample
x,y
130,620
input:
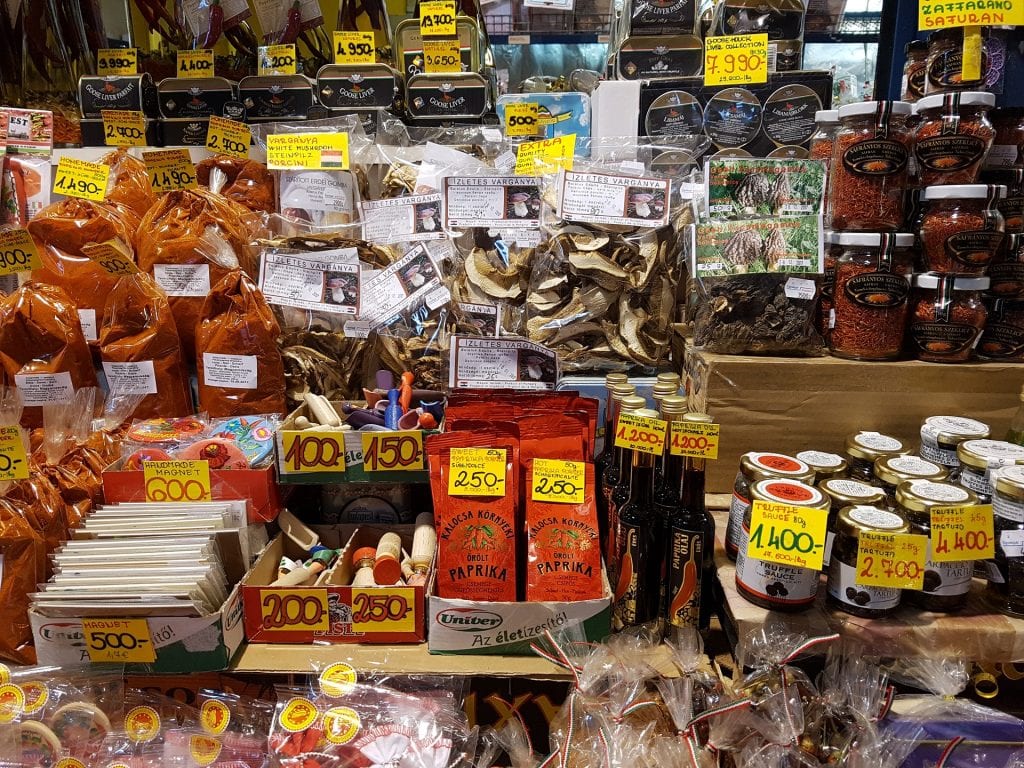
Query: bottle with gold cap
x,y
611,381
612,473
662,389
668,493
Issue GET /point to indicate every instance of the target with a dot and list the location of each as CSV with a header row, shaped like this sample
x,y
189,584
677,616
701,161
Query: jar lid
x,y
621,391
843,491
826,116
784,491
963,192
633,403
871,239
1009,481
612,379
824,464
966,99
932,280
989,454
853,520
664,389
894,470
760,466
953,429
693,417
873,445
916,46
899,109
674,404
667,378
922,495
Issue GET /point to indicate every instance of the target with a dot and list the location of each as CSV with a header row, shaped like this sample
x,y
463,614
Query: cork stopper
x,y
424,541
387,566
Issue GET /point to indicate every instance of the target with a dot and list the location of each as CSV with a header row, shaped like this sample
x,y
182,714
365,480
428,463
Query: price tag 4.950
x,y
962,533
477,472
561,482
894,560
354,48
789,535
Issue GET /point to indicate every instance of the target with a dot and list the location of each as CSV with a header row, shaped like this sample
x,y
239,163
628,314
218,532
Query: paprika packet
x,y
141,350
238,362
476,534
42,350
24,568
130,193
244,181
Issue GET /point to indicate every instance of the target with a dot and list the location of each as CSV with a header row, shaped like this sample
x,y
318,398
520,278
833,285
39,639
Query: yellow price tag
x,y
561,482
195,64
112,256
441,56
228,137
312,451
111,62
277,60
393,451
177,480
694,439
962,533
970,68
118,641
13,461
546,155
294,610
354,48
477,472
384,610
170,169
788,535
936,14
437,18
310,151
641,433
736,59
123,128
18,252
893,560
521,119
78,178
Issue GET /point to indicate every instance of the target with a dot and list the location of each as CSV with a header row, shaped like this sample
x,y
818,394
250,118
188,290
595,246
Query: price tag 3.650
x,y
442,56
894,560
561,482
477,472
789,535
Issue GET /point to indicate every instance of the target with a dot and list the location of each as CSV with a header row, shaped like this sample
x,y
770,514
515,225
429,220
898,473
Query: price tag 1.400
x,y
384,610
13,461
78,178
736,59
894,560
477,472
561,482
174,481
393,451
641,433
354,48
962,533
695,439
312,451
788,535
437,18
124,128
521,119
193,64
113,641
18,252
228,137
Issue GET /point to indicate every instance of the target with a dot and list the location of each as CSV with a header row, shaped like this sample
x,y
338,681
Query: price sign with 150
x,y
392,451
312,451
962,533
894,560
787,534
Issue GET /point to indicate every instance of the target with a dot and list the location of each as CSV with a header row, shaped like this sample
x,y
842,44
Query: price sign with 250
x,y
384,610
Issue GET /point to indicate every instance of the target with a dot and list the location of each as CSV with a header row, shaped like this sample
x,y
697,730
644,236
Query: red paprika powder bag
x,y
42,350
237,358
141,350
24,568
476,534
130,193
246,182
43,508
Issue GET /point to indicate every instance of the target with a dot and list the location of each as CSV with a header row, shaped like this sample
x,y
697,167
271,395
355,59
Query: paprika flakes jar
x,y
961,228
871,295
1006,273
868,173
953,137
947,317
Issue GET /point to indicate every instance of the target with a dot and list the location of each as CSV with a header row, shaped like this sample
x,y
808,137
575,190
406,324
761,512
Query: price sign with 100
x,y
354,48
962,533
788,534
78,178
18,252
894,560
641,433
736,59
228,137
392,451
312,451
476,472
560,482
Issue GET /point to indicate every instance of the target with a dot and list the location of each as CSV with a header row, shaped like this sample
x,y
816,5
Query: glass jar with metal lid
x,y
825,465
865,448
1006,576
843,590
756,466
940,436
771,585
946,585
979,458
844,492
890,471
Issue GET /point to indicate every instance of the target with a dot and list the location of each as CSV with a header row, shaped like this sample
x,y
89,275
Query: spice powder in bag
x,y
131,193
245,181
24,568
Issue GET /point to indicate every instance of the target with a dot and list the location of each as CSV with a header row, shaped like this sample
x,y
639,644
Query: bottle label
x,y
975,481
631,559
949,153
611,547
843,586
876,157
878,290
737,511
686,554
973,248
952,578
781,584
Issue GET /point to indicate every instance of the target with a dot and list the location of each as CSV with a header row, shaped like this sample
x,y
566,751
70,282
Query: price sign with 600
x,y
176,481
354,48
736,59
695,439
641,433
789,535
561,482
894,560
18,252
962,533
392,451
312,451
476,472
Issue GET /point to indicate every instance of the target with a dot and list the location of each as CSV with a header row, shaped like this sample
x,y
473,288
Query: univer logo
x,y
468,619
58,631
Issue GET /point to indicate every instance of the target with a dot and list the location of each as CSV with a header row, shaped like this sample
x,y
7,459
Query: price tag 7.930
x,y
786,534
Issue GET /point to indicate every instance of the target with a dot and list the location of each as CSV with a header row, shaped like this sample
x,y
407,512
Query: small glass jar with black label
x,y
953,135
825,465
946,584
863,449
979,459
756,466
771,585
1006,574
915,68
961,228
940,436
890,471
947,317
844,492
844,592
1003,337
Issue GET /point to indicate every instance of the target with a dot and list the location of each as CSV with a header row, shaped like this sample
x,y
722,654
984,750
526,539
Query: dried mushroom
x,y
494,272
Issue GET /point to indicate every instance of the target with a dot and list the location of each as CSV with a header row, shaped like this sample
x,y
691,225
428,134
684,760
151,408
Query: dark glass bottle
x,y
615,471
667,491
607,456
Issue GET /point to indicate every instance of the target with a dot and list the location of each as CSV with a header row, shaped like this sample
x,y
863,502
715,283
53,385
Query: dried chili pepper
x,y
953,137
215,25
947,317
961,228
293,24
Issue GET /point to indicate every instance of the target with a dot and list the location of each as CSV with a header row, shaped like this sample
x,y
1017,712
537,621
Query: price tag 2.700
x,y
392,451
477,472
786,534
561,482
962,533
228,137
894,560
124,128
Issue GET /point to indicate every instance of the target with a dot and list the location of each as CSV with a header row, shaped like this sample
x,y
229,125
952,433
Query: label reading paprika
x,y
876,157
18,252
949,153
973,248
686,553
878,289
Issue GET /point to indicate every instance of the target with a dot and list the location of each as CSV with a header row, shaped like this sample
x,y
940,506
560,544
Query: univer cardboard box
x,y
789,405
332,611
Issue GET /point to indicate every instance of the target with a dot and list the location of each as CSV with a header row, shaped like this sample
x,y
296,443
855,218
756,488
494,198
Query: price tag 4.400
x,y
962,533
561,482
477,472
786,534
894,560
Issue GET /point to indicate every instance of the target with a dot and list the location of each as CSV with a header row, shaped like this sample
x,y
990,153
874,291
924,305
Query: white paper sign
x,y
483,363
601,198
229,371
492,201
44,388
87,318
183,280
312,281
131,378
403,219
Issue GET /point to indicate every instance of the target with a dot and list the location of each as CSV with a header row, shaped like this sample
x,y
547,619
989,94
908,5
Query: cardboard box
x,y
334,612
795,404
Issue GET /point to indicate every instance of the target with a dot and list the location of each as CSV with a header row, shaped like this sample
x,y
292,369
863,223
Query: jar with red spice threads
x,y
915,70
1005,154
1006,272
961,228
947,317
823,314
871,295
953,137
1003,337
869,166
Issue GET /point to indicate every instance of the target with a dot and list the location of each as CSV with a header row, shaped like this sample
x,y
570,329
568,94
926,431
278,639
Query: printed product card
x,y
600,198
317,196
137,378
44,388
783,245
749,189
322,282
230,371
183,279
498,201
403,219
396,289
29,131
501,364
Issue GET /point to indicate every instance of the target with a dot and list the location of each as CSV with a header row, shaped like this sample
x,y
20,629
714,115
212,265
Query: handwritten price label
x,y
228,137
177,480
546,155
561,482
962,533
521,119
939,15
310,151
13,461
277,60
123,128
476,472
78,178
437,18
312,451
736,59
441,56
118,641
288,610
641,433
195,64
393,451
18,252
112,256
694,439
114,62
788,535
170,169
354,48
384,610
893,560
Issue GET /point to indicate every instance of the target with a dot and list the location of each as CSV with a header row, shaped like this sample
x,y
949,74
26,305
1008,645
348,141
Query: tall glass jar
x,y
946,63
1006,148
915,68
870,296
843,492
826,127
1006,273
864,448
1003,337
953,136
755,466
961,229
869,166
1006,577
843,590
947,317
